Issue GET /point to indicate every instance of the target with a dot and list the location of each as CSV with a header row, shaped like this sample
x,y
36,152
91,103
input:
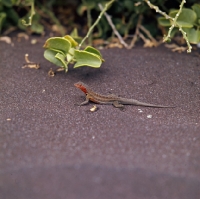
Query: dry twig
x,y
113,27
177,48
30,64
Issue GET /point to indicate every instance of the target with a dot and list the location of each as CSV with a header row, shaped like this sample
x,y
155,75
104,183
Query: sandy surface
x,y
50,148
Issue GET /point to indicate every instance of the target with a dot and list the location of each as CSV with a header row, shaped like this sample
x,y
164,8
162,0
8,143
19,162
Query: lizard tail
x,y
153,105
138,103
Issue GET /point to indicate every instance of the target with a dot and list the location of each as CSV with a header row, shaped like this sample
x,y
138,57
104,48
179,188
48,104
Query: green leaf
x,y
70,55
94,51
37,28
120,26
90,4
75,36
85,58
86,5
163,21
12,15
74,33
58,44
2,18
186,18
196,8
192,35
24,2
50,55
71,40
129,5
60,57
173,32
81,9
7,3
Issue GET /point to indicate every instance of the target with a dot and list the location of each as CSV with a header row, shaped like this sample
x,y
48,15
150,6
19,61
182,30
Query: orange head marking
x,y
81,86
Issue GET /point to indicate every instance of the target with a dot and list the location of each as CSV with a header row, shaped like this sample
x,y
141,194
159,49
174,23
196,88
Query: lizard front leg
x,y
87,99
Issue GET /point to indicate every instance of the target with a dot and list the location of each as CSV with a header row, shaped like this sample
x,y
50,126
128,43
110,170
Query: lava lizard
x,y
116,101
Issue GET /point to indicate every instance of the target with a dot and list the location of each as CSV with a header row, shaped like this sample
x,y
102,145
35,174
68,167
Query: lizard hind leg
x,y
118,105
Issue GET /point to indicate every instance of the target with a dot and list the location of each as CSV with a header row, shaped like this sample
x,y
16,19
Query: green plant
x,y
189,20
185,20
62,51
31,15
10,17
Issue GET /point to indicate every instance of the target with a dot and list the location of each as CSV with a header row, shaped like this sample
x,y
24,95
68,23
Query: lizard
x,y
116,101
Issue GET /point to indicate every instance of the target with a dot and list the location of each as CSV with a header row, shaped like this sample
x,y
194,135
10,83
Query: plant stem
x,y
31,16
89,18
89,21
174,22
95,23
113,27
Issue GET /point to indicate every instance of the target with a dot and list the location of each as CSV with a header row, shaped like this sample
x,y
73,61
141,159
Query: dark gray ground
x,y
51,148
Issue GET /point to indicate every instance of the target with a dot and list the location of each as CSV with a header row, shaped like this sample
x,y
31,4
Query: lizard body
x,y
116,101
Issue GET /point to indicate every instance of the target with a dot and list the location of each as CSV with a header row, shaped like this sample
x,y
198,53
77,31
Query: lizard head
x,y
81,86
